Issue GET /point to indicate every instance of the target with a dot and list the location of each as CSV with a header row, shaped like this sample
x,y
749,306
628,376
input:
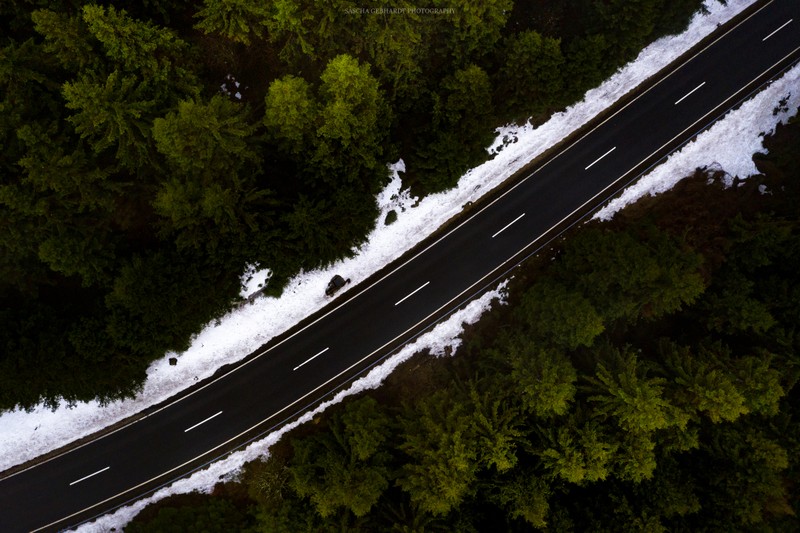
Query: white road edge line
x,y
203,422
415,291
90,475
685,96
507,226
776,31
599,158
309,359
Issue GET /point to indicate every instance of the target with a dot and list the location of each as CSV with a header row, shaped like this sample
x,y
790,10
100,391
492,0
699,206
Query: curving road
x,y
285,378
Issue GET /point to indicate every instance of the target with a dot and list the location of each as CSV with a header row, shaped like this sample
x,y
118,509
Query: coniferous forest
x,y
151,150
642,377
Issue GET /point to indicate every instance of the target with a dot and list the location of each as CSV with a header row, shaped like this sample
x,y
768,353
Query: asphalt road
x,y
330,351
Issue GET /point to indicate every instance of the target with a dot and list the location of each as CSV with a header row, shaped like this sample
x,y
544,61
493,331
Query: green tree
x,y
532,74
347,466
312,232
117,112
744,469
633,22
396,46
471,29
352,120
467,100
212,200
290,113
759,382
137,46
526,496
559,316
733,305
210,138
585,65
160,299
621,389
457,132
498,429
671,492
577,454
545,379
702,383
66,37
292,24
72,180
267,482
29,91
635,459
238,20
629,276
438,438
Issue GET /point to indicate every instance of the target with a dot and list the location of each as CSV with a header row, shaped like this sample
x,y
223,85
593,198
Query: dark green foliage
x,y
442,465
290,113
215,515
538,86
559,316
238,20
625,277
161,298
544,379
347,467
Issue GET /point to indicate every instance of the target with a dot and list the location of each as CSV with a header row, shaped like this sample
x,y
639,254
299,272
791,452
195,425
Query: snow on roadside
x,y
443,338
727,146
25,435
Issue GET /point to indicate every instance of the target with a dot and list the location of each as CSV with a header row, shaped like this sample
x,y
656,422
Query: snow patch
x,y
253,280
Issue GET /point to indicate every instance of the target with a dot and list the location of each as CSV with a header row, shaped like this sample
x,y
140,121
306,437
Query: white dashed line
x,y
776,31
599,158
311,358
682,98
202,422
412,293
90,475
507,226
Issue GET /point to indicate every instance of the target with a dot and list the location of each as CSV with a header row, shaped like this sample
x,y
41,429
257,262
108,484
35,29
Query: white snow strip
x,y
727,146
442,339
25,435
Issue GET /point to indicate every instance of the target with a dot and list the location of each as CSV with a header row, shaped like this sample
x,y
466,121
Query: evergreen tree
x,y
351,122
347,466
290,113
622,390
238,20
532,74
559,316
438,438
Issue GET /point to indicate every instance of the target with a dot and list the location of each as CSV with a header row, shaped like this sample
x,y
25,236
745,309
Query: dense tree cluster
x,y
151,150
646,379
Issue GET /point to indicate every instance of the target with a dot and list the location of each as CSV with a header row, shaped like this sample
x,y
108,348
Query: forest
x,y
642,376
152,150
